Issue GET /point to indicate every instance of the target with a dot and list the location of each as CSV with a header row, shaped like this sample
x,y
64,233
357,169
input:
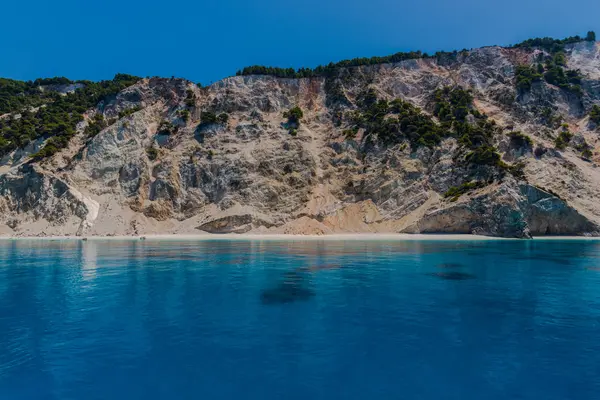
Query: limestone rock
x,y
250,174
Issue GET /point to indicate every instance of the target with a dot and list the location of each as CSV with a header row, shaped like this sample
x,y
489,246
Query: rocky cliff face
x,y
171,167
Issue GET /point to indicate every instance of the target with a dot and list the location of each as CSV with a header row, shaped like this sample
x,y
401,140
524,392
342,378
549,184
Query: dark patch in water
x,y
453,276
484,253
450,265
239,260
322,267
556,260
293,288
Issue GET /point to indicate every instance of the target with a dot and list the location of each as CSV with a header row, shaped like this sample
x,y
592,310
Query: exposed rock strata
x,y
251,175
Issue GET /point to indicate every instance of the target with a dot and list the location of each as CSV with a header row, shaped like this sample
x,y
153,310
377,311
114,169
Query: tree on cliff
x,y
591,36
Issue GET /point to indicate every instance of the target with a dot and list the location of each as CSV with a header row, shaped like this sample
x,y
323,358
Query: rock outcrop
x,y
251,173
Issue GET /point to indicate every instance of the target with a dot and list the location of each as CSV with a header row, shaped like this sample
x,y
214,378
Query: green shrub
x,y
452,104
560,59
595,114
591,36
565,79
484,155
520,139
223,118
190,99
350,133
95,125
517,170
129,111
208,118
583,147
184,115
152,153
555,75
563,139
294,115
51,147
525,76
166,128
550,119
540,69
456,191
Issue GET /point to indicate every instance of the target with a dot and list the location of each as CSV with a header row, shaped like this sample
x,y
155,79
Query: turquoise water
x,y
300,320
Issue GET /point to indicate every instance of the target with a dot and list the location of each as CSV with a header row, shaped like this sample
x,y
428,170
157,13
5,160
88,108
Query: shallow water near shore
x,y
295,319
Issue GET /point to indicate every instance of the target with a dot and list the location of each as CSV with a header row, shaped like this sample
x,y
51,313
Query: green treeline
x,y
549,44
554,45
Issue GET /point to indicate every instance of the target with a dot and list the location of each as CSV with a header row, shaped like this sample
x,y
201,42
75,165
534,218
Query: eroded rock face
x,y
250,174
30,195
546,214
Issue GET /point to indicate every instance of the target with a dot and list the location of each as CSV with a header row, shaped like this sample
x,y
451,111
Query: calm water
x,y
300,320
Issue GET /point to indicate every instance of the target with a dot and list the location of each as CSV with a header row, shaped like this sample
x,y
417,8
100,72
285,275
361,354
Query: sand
x,y
283,237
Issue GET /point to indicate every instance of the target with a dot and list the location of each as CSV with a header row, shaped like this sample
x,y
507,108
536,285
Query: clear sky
x,y
207,40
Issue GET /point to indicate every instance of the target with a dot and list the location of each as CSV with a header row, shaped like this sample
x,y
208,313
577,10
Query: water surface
x,y
299,320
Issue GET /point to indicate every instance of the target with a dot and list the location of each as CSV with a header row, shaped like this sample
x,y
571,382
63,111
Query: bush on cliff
x,y
595,114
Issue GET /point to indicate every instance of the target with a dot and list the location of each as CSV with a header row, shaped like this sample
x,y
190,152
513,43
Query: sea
x,y
299,319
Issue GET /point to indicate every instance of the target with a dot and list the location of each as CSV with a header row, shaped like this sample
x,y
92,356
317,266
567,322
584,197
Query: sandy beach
x,y
282,237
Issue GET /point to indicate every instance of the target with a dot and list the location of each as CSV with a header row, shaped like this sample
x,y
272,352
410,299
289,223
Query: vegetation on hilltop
x,y
330,68
552,45
57,80
549,44
48,114
15,95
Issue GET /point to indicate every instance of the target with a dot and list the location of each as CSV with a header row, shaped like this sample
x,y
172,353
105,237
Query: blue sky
x,y
205,41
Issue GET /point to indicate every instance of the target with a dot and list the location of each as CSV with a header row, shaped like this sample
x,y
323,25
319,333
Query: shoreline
x,y
286,237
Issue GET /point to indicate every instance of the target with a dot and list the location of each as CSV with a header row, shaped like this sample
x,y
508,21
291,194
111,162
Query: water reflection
x,y
89,256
